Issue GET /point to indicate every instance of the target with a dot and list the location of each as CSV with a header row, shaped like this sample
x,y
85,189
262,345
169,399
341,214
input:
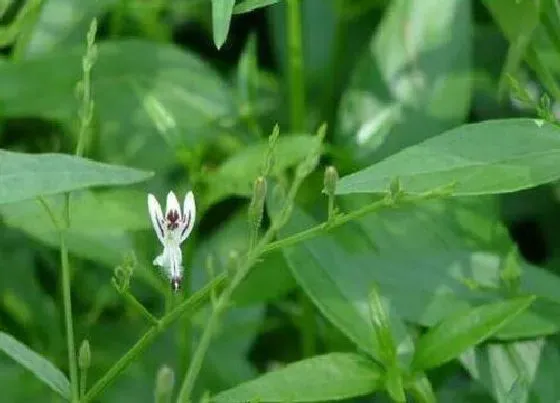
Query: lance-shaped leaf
x,y
43,369
491,157
221,19
250,5
454,335
327,377
26,176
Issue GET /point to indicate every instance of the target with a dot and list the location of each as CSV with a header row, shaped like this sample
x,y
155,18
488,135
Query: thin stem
x,y
66,297
185,331
295,65
339,220
198,298
132,301
83,382
223,301
195,301
67,301
331,207
220,306
56,222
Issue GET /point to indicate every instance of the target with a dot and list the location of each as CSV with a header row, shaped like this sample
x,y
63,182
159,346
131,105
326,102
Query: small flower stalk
x,y
172,229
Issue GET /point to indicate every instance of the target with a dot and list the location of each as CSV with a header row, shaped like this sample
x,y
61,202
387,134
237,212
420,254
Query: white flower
x,y
172,229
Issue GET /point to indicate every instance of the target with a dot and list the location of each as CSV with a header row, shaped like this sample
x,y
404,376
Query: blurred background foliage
x,y
384,75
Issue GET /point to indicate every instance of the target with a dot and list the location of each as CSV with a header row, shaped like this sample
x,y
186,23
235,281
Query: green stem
x,y
67,301
83,382
198,298
132,301
185,332
195,301
221,304
224,299
295,65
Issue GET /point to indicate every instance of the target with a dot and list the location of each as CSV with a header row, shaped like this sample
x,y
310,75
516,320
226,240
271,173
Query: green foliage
x,y
517,154
37,364
328,377
25,176
395,236
452,336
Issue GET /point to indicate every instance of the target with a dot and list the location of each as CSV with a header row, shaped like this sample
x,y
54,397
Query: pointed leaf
x,y
221,19
250,5
492,157
454,335
321,378
26,176
382,329
43,369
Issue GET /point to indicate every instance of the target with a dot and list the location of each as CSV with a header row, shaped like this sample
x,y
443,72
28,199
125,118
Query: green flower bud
x,y
84,356
330,180
165,380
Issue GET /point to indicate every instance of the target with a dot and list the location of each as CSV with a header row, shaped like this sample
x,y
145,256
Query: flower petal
x,y
172,204
175,261
157,217
188,217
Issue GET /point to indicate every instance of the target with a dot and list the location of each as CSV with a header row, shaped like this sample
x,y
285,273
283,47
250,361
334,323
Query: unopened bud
x,y
165,380
232,260
330,180
84,356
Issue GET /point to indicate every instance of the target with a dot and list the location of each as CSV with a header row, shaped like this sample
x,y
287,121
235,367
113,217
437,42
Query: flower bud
x,y
330,180
84,356
165,380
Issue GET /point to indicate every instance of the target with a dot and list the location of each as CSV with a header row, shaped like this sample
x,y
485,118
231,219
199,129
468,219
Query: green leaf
x,y
339,284
492,157
412,81
394,383
321,378
382,327
43,369
140,80
27,176
454,335
250,5
422,390
524,368
429,260
51,32
100,226
221,19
